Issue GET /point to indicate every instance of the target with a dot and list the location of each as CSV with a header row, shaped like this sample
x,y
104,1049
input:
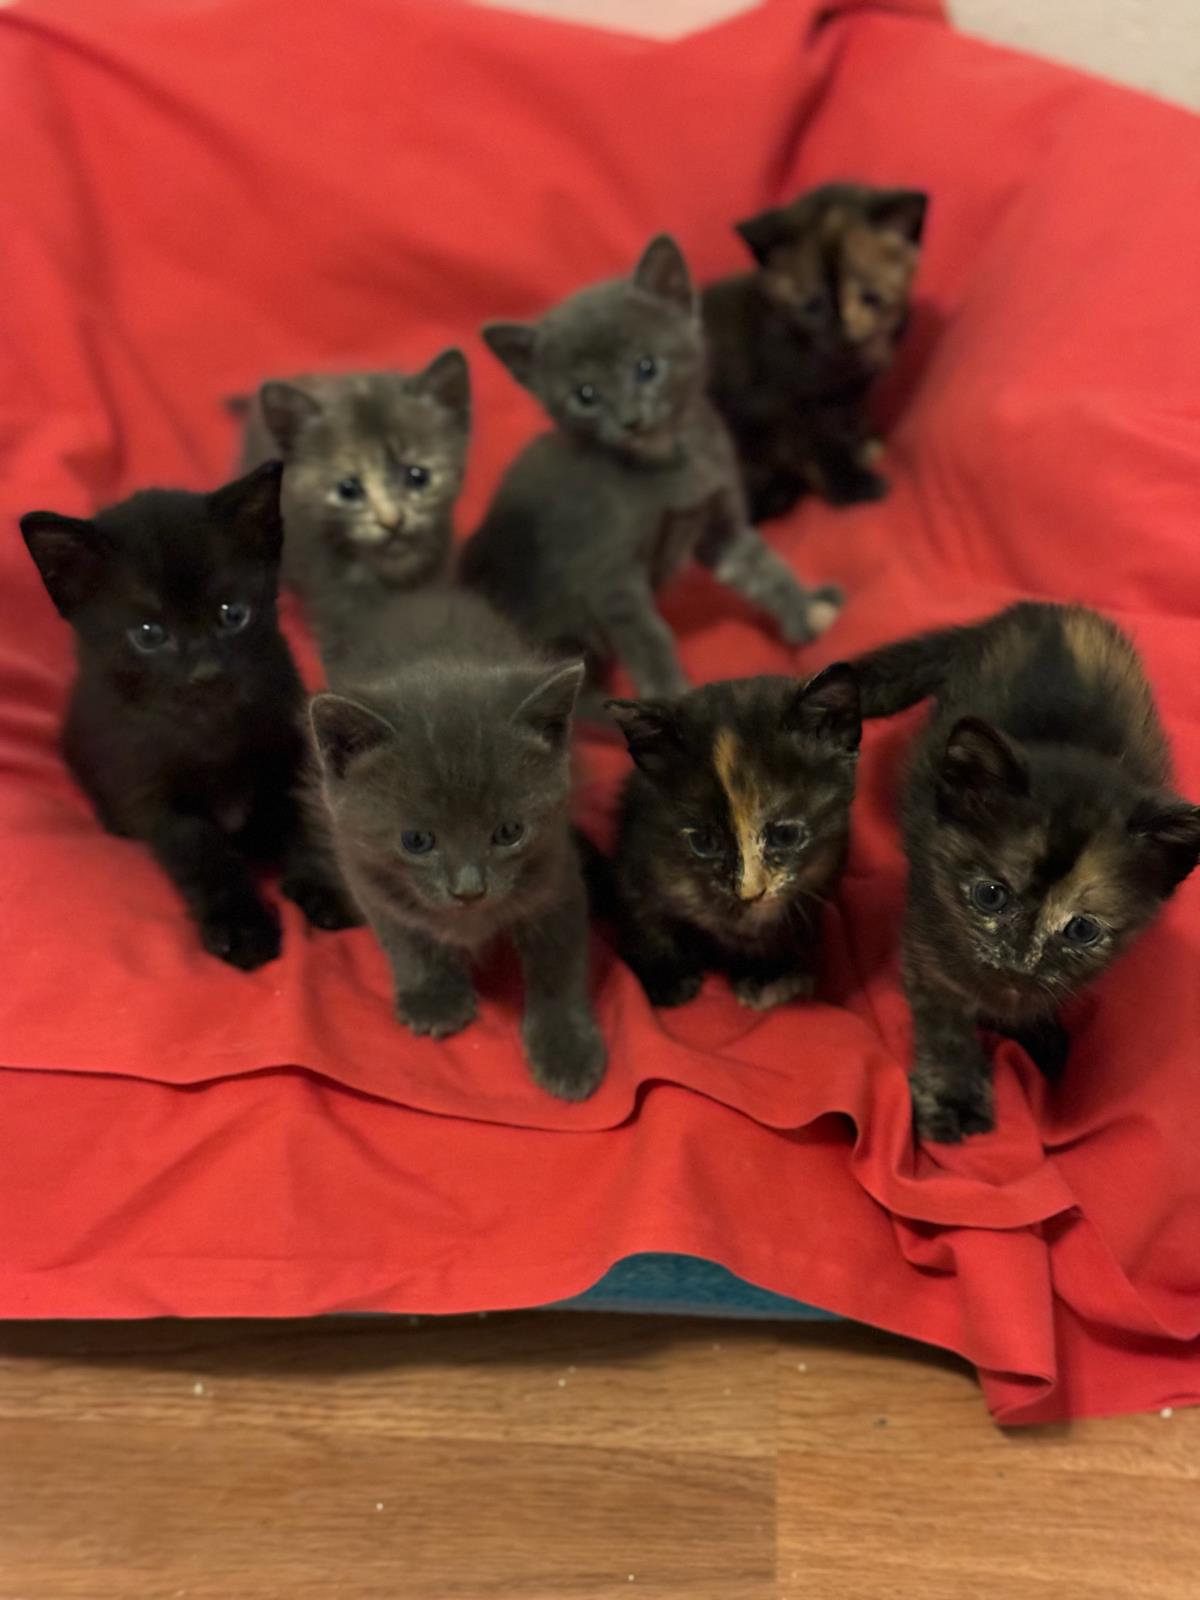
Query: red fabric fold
x,y
201,195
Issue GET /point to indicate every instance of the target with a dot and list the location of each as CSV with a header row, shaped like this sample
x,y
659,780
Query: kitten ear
x,y
767,231
286,408
900,211
447,379
513,343
651,729
70,553
547,708
979,767
343,731
1172,828
827,707
663,272
251,506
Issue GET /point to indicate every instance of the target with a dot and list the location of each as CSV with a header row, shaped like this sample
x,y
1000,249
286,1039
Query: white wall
x,y
1152,44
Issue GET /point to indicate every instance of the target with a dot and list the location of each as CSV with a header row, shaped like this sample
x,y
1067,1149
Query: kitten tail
x,y
896,676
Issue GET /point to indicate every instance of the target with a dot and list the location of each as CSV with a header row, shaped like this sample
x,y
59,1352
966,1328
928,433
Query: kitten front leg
x,y
666,964
216,885
738,556
842,471
310,878
641,640
433,987
764,983
951,1077
563,1041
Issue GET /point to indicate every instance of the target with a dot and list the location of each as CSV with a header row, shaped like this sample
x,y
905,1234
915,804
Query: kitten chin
x,y
1041,831
733,833
797,344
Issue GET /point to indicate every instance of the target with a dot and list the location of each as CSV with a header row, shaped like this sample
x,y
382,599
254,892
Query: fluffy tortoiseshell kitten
x,y
637,477
373,465
797,344
1041,831
184,724
446,784
733,832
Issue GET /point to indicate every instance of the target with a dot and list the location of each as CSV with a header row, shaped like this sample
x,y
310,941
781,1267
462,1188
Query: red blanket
x,y
198,195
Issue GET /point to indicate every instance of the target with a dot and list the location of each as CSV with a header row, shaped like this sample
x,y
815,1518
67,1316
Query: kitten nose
x,y
204,670
633,424
468,883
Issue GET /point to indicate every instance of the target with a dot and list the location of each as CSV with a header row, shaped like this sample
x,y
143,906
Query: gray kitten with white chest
x,y
637,477
374,463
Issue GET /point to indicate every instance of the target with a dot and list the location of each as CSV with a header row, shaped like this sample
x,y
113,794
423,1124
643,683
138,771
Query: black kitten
x,y
797,344
446,784
637,477
374,464
184,720
733,832
1041,831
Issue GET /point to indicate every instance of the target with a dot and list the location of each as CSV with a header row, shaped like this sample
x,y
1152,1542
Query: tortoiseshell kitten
x,y
797,344
184,723
445,778
1041,831
733,832
637,478
373,465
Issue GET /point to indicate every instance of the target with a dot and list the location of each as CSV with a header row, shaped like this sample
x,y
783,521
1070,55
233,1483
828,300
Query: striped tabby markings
x,y
745,811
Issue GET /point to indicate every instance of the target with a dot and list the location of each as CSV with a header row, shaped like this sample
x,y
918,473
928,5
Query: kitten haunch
x,y
184,719
445,779
637,478
1041,830
374,463
733,832
797,344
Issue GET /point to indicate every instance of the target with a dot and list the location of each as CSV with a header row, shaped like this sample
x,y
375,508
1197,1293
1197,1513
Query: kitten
x,y
184,720
637,477
446,783
797,344
1041,831
733,831
374,464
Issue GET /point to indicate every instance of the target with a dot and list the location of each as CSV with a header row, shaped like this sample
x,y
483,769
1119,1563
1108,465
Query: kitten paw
x,y
246,936
856,488
438,1012
671,988
761,994
816,611
944,1116
323,903
566,1053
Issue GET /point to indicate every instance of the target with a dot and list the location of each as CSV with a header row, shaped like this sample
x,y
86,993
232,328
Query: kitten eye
x,y
233,616
813,306
646,369
784,835
416,477
349,489
988,896
704,842
508,833
870,298
1082,931
416,842
587,394
148,637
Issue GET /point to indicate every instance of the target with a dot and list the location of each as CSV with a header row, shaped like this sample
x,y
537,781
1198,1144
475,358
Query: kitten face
x,y
170,594
618,364
839,264
451,809
752,781
1046,864
375,462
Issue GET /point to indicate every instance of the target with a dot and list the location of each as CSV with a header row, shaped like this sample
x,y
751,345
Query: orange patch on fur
x,y
745,811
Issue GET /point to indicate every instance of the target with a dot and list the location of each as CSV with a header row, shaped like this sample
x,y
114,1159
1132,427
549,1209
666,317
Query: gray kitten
x,y
373,465
637,477
446,782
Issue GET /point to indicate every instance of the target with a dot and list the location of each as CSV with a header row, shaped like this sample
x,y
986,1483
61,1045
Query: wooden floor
x,y
553,1456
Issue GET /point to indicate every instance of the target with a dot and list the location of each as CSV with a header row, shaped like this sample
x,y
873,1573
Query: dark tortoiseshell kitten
x,y
637,477
733,832
797,344
184,724
1041,831
374,462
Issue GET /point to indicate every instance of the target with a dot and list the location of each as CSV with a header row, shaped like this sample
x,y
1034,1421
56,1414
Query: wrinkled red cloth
x,y
199,194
